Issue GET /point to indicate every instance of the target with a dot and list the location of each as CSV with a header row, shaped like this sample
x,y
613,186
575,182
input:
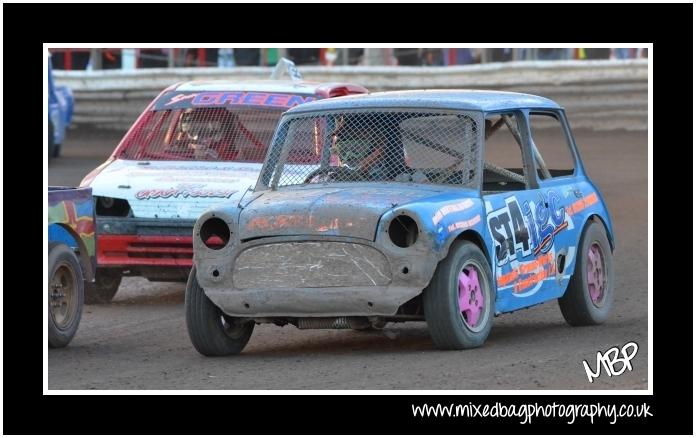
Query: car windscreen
x,y
231,126
420,146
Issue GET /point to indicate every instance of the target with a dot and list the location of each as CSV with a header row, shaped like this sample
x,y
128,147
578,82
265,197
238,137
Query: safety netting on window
x,y
210,134
427,147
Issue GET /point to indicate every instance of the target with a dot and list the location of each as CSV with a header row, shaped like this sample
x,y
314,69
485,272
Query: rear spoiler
x,y
284,65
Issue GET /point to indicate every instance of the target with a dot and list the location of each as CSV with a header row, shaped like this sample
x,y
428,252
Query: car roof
x,y
270,86
472,100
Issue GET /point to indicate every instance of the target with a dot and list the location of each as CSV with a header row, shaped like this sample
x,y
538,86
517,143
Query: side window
x,y
552,157
503,166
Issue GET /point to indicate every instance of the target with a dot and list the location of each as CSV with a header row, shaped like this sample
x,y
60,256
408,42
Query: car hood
x,y
174,189
347,210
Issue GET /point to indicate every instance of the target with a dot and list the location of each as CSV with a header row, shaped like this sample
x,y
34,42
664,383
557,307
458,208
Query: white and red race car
x,y
195,145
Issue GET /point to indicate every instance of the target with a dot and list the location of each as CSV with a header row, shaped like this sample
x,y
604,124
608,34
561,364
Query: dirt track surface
x,y
140,340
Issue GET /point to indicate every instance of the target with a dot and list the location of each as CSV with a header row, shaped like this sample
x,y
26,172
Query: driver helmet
x,y
203,125
355,139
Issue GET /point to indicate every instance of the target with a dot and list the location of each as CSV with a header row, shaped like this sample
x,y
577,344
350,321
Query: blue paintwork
x,y
58,233
465,100
523,232
71,221
546,208
425,210
473,218
60,106
560,193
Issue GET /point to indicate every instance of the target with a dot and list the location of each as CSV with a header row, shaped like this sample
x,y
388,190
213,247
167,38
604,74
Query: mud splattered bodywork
x,y
361,198
322,252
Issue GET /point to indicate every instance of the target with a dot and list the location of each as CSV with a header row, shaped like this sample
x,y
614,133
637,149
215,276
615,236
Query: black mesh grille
x,y
375,145
214,134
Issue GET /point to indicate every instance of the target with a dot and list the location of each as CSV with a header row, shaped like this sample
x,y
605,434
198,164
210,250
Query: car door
x,y
521,216
559,189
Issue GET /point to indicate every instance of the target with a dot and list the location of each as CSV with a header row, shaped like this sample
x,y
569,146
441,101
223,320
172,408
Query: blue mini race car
x,y
60,112
447,206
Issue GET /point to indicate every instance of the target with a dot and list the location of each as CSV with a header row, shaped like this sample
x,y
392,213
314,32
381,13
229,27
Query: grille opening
x,y
155,256
163,245
160,250
106,206
215,233
403,231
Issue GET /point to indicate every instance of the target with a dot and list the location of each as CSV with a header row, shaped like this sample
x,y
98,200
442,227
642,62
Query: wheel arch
x,y
600,220
474,237
85,260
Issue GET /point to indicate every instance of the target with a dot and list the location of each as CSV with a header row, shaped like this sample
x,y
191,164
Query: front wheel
x,y
65,294
459,302
211,331
590,294
105,286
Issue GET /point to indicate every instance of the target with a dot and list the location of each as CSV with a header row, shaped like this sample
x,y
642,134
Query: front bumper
x,y
138,242
313,276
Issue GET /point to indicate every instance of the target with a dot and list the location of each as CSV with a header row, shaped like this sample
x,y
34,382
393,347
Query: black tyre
x,y
459,302
212,332
590,294
51,140
65,294
104,288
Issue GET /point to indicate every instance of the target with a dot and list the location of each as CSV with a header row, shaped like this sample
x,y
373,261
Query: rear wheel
x,y
65,294
211,331
459,302
590,294
105,286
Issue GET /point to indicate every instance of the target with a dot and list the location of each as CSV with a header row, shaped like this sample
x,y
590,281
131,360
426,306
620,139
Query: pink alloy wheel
x,y
596,276
471,300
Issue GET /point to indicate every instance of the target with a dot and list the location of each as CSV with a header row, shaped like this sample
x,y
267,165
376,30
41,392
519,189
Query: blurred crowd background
x,y
103,59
